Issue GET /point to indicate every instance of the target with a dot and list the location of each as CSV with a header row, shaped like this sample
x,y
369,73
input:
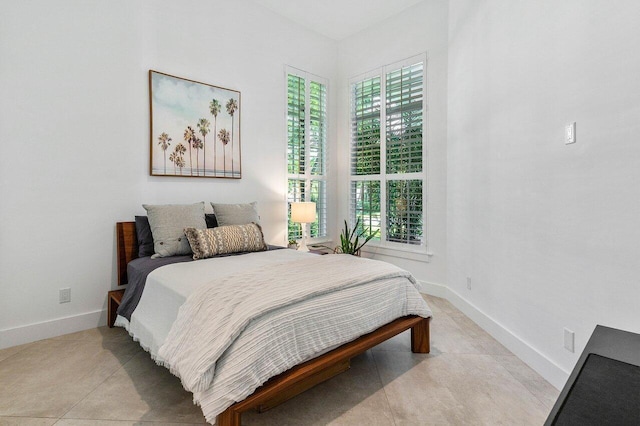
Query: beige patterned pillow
x,y
225,239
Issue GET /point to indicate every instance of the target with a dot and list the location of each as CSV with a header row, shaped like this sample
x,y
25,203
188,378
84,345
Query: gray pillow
x,y
167,226
236,214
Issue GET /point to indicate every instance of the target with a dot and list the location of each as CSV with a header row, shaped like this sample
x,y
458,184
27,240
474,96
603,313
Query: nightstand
x,y
322,250
114,297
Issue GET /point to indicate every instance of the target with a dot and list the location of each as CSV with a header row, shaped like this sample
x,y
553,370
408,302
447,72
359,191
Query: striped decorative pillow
x,y
225,239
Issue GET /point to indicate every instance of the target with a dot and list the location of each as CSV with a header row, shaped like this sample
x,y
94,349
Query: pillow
x,y
225,239
167,224
211,220
236,214
145,238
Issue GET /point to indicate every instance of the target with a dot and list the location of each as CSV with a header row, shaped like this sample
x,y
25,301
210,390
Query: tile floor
x,y
101,377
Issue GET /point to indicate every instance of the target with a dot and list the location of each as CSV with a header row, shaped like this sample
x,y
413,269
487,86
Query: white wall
x,y
547,232
74,120
419,29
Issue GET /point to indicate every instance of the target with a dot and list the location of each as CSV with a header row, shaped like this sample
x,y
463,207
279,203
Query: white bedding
x,y
276,340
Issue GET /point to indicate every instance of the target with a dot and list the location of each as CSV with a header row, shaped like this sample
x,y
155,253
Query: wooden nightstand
x,y
114,297
318,249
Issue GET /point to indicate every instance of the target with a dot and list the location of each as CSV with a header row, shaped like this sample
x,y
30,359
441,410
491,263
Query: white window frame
x,y
307,176
382,245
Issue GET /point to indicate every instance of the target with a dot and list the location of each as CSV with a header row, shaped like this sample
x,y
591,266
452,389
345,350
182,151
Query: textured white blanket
x,y
279,339
215,315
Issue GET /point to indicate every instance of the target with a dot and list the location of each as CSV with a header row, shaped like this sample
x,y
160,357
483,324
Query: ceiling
x,y
337,19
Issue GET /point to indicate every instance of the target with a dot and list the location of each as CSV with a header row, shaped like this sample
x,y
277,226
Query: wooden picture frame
x,y
194,128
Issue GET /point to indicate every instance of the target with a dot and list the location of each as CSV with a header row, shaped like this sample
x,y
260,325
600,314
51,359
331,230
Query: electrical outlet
x,y
65,295
570,133
569,340
468,283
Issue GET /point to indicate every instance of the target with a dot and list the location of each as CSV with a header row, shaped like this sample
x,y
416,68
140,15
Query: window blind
x,y
295,124
404,211
365,127
366,205
318,195
404,119
295,192
389,199
318,127
307,148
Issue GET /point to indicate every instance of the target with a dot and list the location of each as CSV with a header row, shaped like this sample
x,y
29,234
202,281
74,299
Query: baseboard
x,y
549,370
53,328
432,289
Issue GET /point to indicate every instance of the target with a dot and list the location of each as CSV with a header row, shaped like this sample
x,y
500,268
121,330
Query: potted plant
x,y
293,244
352,240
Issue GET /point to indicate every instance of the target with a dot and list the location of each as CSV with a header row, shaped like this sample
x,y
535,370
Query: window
x,y
306,148
388,176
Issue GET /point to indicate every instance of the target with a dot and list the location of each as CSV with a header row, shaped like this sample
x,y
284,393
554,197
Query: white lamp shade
x,y
303,212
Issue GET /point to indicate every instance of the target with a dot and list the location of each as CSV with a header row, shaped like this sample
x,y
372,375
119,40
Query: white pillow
x,y
167,224
236,214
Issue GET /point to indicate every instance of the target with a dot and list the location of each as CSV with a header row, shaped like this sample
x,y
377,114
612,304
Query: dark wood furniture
x,y
303,376
127,248
306,375
114,297
604,386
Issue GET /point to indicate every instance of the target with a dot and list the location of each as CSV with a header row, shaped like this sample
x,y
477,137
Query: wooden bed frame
x,y
304,376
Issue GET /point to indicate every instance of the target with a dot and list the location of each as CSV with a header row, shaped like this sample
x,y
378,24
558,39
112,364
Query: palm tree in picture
x,y
203,127
197,145
214,107
223,135
232,106
179,151
174,159
189,136
181,164
163,141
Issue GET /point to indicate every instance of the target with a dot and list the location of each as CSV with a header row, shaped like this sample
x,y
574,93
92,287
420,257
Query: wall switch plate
x,y
468,283
570,133
569,340
65,295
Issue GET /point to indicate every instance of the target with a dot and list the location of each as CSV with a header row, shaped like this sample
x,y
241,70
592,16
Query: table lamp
x,y
303,213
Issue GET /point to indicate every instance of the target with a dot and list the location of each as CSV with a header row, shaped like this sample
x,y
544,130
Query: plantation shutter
x,y
387,165
365,127
404,119
295,192
307,148
317,154
404,211
366,205
295,124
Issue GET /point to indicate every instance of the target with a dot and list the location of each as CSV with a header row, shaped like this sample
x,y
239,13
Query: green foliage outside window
x,y
306,151
403,149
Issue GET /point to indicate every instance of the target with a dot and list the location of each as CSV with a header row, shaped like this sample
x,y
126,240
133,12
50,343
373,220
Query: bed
x,y
329,362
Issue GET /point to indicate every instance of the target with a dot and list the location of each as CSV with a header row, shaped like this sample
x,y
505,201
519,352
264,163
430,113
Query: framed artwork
x,y
195,128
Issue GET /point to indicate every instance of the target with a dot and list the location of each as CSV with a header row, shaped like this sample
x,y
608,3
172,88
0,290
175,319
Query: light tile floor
x,y
101,377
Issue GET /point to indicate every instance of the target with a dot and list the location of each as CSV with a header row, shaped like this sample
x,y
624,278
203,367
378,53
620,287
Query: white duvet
x,y
306,306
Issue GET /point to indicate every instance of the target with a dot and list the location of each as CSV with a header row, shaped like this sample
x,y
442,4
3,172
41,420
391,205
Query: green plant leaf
x,y
355,228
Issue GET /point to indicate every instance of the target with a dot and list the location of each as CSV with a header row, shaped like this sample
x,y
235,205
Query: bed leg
x,y
228,417
420,337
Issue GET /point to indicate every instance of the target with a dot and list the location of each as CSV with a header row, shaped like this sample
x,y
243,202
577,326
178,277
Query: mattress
x,y
277,340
